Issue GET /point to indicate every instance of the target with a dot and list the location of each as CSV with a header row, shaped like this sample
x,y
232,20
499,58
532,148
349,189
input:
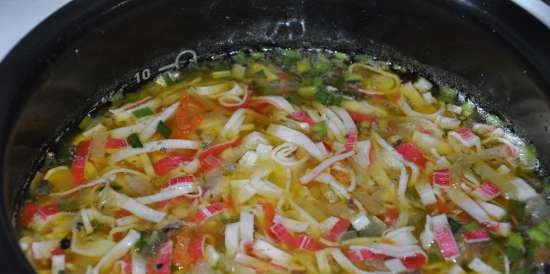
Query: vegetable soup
x,y
288,161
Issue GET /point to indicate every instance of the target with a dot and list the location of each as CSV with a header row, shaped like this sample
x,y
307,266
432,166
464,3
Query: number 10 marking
x,y
142,75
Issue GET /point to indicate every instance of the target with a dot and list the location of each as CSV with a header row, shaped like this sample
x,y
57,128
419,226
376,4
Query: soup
x,y
288,162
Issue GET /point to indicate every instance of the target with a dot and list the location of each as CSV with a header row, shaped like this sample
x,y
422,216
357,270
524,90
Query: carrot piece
x,y
196,249
391,216
180,256
184,123
269,213
359,117
122,213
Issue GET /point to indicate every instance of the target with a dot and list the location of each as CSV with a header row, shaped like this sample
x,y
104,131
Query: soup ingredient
x,y
288,162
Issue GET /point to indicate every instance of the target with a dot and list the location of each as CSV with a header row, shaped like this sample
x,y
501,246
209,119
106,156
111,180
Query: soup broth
x,y
288,161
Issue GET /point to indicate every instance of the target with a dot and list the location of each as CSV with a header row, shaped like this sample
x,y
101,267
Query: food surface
x,y
288,162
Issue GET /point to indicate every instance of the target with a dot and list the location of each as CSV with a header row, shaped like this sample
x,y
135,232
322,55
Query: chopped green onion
x,y
516,241
327,97
341,56
528,156
374,228
513,253
350,234
133,140
221,74
447,94
149,243
537,236
291,56
163,129
68,205
352,77
86,122
517,209
494,120
435,257
163,80
303,66
323,97
340,59
117,96
468,108
240,58
321,64
455,226
319,131
544,226
257,55
295,99
142,112
229,220
471,226
515,247
238,71
546,189
520,270
135,96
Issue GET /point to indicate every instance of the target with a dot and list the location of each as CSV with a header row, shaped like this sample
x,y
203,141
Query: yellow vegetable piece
x,y
443,148
90,171
78,138
415,99
364,107
382,179
375,79
60,178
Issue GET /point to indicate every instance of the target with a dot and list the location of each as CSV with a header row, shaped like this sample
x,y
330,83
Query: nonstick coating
x,y
490,50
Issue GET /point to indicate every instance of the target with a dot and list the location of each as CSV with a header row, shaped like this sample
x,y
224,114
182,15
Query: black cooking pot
x,y
494,52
